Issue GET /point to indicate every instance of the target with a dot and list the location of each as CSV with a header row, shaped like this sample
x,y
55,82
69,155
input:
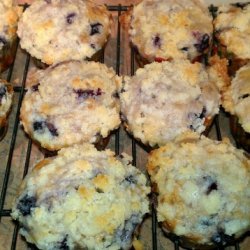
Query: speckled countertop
x,y
13,153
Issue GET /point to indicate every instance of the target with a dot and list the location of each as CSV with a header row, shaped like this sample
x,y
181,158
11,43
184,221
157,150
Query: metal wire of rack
x,y
20,91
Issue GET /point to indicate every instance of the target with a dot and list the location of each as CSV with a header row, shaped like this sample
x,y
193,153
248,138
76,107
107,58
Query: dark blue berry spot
x,y
210,184
131,179
157,41
211,187
26,204
244,96
63,244
99,190
203,43
92,46
35,87
95,28
184,49
3,91
85,93
52,129
71,18
125,234
38,126
240,5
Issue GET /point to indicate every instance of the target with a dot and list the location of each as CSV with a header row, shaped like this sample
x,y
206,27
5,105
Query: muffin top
x,y
204,188
82,199
6,94
171,29
71,102
9,15
55,31
236,98
232,26
165,99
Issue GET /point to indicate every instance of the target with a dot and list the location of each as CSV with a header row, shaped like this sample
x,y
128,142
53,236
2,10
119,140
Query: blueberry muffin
x,y
6,95
9,15
175,29
236,100
165,99
232,31
82,199
203,189
69,103
54,31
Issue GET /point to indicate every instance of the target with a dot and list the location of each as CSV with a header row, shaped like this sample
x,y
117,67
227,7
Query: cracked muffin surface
x,y
203,189
174,29
69,103
165,99
82,199
64,30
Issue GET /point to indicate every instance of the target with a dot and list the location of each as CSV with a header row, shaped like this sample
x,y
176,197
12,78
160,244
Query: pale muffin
x,y
54,31
203,190
70,103
163,100
82,199
175,29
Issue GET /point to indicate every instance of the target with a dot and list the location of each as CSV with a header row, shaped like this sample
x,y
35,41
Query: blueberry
x,y
99,190
157,41
85,93
203,43
63,244
35,87
38,126
131,179
70,17
125,234
241,97
221,239
26,204
210,183
92,46
3,40
115,95
95,28
240,5
52,129
3,91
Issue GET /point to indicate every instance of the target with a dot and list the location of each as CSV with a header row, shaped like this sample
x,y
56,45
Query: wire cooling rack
x,y
14,241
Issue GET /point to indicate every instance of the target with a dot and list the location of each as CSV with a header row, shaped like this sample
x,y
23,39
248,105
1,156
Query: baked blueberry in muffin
x,y
203,190
64,30
71,102
175,29
82,199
